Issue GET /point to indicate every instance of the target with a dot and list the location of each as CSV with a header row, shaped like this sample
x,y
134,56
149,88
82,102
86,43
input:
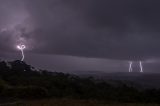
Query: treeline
x,y
19,80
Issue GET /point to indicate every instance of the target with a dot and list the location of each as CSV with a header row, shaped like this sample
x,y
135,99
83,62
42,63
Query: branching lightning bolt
x,y
21,48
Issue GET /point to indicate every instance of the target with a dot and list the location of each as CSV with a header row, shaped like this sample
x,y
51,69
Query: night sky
x,y
65,35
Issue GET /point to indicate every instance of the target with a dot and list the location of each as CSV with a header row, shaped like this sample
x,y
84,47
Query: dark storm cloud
x,y
15,24
118,29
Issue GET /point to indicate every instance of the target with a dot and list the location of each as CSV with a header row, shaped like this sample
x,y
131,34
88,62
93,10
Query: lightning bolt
x,y
21,48
130,66
141,66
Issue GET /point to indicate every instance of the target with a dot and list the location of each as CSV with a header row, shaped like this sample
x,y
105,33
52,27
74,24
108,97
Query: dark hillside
x,y
21,81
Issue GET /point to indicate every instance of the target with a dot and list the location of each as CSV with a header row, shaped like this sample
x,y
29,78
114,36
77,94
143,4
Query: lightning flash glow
x,y
140,65
21,48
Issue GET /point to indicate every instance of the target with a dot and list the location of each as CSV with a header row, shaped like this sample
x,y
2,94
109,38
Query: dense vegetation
x,y
73,102
21,81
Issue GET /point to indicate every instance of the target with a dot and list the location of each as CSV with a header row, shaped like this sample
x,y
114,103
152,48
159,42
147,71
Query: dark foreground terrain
x,y
22,84
71,102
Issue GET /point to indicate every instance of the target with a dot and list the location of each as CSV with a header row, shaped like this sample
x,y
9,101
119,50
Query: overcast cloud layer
x,y
113,29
